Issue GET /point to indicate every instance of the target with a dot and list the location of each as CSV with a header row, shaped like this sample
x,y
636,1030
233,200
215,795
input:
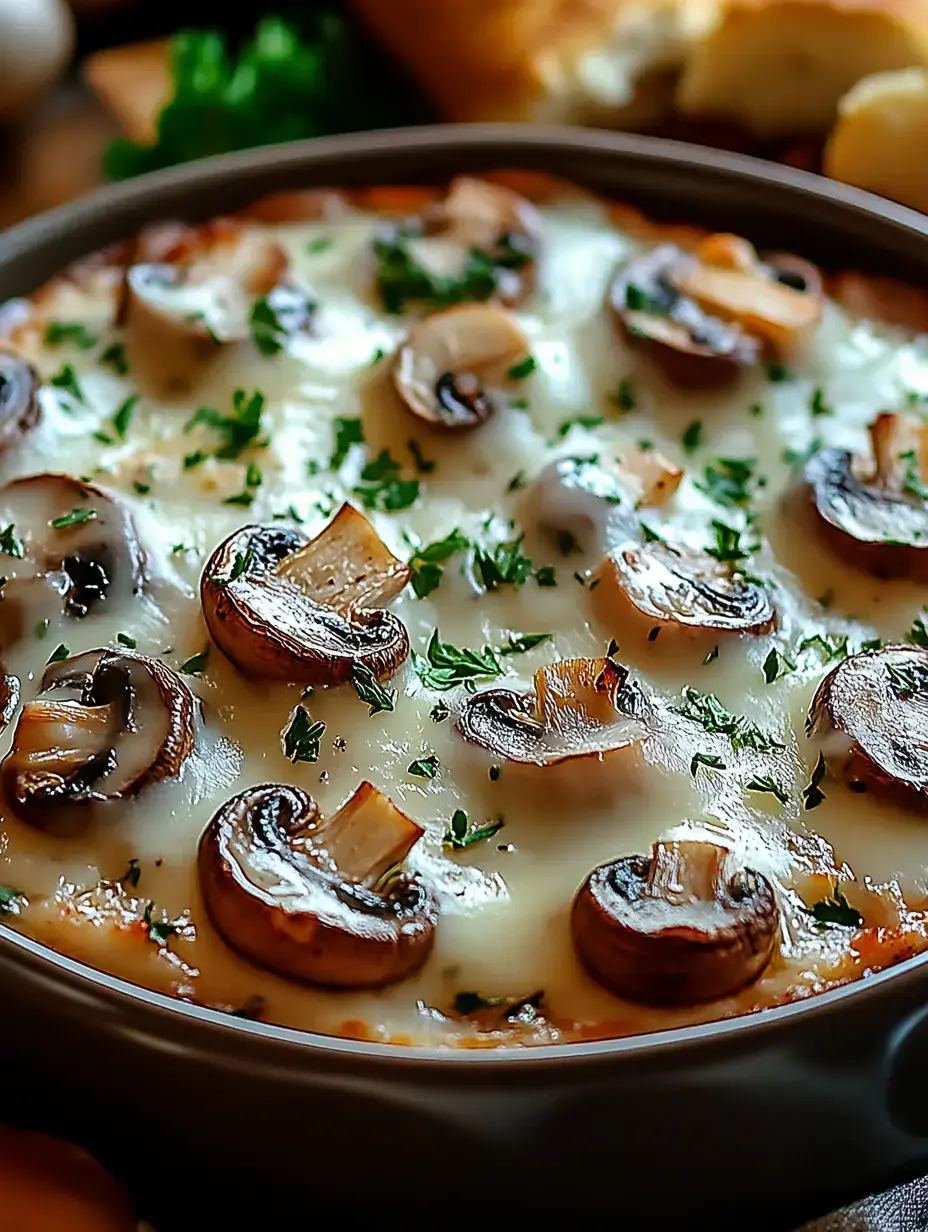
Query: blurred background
x,y
96,89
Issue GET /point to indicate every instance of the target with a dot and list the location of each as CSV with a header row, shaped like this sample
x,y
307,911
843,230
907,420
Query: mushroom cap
x,y
579,708
871,712
19,398
179,308
306,609
866,524
693,347
675,927
446,361
66,570
314,900
684,588
105,725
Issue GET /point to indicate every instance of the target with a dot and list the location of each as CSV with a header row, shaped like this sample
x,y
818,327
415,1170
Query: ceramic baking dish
x,y
758,1122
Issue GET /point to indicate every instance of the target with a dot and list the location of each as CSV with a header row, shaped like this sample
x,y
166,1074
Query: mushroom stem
x,y
367,837
685,872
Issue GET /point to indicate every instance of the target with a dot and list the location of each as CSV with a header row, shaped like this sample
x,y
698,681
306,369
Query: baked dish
x,y
471,616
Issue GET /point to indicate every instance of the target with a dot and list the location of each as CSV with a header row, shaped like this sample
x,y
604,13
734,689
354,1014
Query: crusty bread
x,y
47,1185
610,62
779,67
134,83
882,135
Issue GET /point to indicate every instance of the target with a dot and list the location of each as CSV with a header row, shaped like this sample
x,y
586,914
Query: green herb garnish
x,y
712,760
127,640
382,488
426,562
777,665
348,432
66,380
60,653
12,901
525,367
74,332
502,565
812,795
301,739
727,480
77,517
370,690
460,834
692,436
836,910
424,767
519,643
239,430
195,664
445,666
10,544
764,783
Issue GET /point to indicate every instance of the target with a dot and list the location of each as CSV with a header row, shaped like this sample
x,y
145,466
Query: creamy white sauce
x,y
504,927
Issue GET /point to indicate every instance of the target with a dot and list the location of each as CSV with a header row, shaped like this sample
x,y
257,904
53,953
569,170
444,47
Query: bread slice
x,y
882,135
134,83
605,62
780,67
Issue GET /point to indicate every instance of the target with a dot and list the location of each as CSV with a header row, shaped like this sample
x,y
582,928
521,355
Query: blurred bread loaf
x,y
780,67
607,62
881,137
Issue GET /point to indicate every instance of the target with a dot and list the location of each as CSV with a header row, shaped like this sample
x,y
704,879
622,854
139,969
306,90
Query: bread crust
x,y
780,67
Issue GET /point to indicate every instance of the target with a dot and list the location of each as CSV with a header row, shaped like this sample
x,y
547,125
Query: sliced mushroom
x,y
105,725
705,314
877,521
19,401
584,500
676,927
177,315
72,548
657,586
319,900
648,476
579,708
871,716
444,367
482,234
285,607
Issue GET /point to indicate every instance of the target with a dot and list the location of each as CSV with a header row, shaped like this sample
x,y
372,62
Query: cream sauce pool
x,y
505,902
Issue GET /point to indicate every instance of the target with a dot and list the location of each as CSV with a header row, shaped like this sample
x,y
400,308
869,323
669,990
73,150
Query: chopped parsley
x,y
836,910
502,565
777,665
115,357
321,243
132,874
519,643
764,783
445,666
578,421
267,333
817,405
74,332
546,575
524,368
301,739
240,430
66,380
726,481
11,901
712,655
812,795
712,760
59,653
829,650
370,690
706,710
526,1008
637,299
777,373
424,465
799,457
10,543
123,416
624,397
727,549
692,436
196,458
919,631
460,834
160,931
382,488
127,640
195,664
41,627
77,517
401,278
913,481
240,566
517,482
349,431
424,767
426,562
245,498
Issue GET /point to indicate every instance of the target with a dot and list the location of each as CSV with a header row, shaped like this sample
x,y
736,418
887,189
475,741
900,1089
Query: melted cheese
x,y
505,902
